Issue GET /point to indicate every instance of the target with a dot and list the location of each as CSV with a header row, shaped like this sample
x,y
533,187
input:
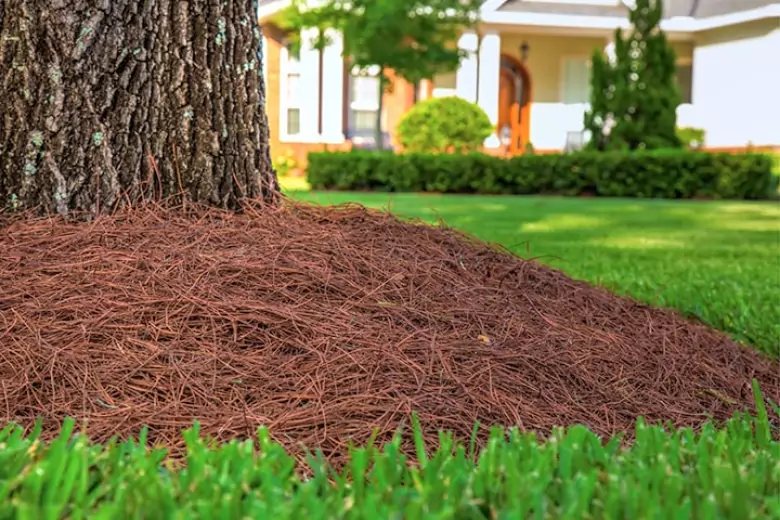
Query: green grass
x,y
731,472
718,261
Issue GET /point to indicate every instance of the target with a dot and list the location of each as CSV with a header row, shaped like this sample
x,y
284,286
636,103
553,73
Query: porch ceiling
x,y
584,32
672,8
520,30
575,9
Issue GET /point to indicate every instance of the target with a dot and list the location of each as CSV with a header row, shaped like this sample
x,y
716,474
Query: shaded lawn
x,y
719,261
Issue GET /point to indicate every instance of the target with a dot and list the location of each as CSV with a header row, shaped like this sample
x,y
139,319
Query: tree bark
x,y
105,103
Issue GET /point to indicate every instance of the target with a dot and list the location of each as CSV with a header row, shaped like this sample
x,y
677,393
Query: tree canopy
x,y
416,39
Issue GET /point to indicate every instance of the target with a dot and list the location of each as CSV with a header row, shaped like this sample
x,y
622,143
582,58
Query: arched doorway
x,y
514,103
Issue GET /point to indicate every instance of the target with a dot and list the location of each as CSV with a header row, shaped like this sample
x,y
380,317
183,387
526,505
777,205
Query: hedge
x,y
657,174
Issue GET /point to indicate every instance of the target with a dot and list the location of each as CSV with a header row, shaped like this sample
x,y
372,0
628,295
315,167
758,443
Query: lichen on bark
x,y
112,102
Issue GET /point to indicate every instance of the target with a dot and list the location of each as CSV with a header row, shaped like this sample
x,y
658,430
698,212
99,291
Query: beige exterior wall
x,y
736,93
395,104
272,47
551,116
281,148
736,84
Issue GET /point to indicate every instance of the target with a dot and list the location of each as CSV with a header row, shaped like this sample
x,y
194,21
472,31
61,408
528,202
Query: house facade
x,y
528,67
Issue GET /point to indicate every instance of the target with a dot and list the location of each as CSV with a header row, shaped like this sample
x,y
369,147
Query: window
x,y
445,85
293,103
685,82
365,92
576,81
363,101
293,121
363,120
445,81
292,100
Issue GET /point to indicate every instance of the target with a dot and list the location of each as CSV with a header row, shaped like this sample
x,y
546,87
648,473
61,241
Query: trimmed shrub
x,y
658,174
691,137
445,124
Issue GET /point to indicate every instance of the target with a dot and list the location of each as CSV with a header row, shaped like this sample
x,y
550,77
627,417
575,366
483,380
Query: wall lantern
x,y
524,48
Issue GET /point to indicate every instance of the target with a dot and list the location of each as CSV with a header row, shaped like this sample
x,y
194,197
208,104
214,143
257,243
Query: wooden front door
x,y
513,105
506,98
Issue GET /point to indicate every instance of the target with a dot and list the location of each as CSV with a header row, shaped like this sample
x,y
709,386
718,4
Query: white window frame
x,y
681,62
446,90
361,105
287,65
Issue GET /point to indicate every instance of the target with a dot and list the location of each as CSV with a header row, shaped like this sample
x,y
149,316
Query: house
x,y
528,68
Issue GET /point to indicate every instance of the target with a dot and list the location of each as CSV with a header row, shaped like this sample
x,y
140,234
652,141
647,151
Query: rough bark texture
x,y
108,102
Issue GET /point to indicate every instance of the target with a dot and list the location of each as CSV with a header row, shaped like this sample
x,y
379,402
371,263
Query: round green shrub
x,y
448,124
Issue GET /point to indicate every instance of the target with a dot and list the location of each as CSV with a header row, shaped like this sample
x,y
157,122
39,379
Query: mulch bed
x,y
326,323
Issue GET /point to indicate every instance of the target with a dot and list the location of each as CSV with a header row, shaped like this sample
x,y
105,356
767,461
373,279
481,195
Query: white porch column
x,y
466,76
333,89
489,77
309,86
424,88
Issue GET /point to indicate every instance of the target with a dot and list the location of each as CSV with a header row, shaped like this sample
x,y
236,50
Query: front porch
x,y
534,83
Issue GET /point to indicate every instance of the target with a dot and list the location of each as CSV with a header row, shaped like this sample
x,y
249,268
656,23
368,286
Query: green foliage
x,y
444,124
285,165
413,38
691,137
599,116
727,472
659,174
634,98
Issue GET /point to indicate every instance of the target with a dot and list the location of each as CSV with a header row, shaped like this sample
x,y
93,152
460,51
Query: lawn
x,y
718,261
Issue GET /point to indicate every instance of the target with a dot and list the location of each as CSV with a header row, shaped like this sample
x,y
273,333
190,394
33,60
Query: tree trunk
x,y
111,102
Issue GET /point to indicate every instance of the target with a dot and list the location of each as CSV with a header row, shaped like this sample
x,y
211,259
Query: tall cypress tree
x,y
597,119
634,99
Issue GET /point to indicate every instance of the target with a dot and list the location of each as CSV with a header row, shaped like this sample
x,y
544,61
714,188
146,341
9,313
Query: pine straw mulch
x,y
325,323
